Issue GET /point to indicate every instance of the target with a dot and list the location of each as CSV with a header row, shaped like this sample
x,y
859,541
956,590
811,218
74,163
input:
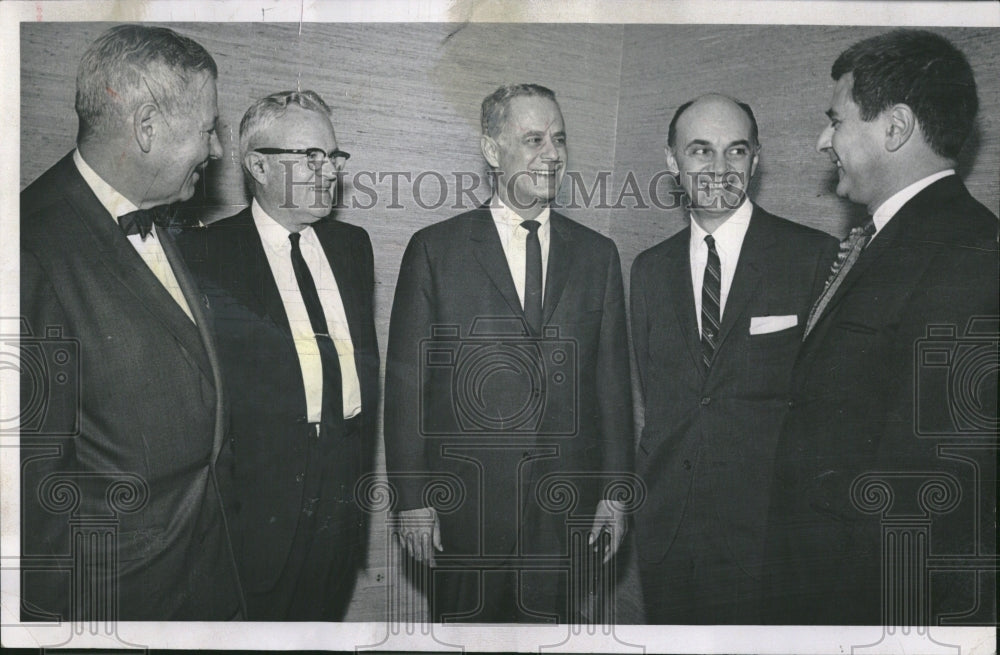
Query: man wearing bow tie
x,y
508,381
121,514
293,293
887,458
718,312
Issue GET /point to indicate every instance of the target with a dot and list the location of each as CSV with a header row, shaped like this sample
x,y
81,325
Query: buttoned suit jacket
x,y
518,467
132,422
708,440
877,432
264,381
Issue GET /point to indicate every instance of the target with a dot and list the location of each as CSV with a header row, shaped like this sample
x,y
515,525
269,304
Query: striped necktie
x,y
711,314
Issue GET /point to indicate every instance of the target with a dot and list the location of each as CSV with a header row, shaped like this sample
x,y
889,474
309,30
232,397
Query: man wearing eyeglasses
x,y
292,292
121,515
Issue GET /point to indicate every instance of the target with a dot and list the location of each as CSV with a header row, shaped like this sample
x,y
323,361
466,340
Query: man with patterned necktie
x,y
718,312
508,374
893,413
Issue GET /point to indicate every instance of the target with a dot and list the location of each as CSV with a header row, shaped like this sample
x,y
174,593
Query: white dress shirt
x,y
150,249
728,242
514,240
896,201
278,249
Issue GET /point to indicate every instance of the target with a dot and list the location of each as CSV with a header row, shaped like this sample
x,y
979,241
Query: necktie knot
x,y
710,241
138,222
294,238
531,226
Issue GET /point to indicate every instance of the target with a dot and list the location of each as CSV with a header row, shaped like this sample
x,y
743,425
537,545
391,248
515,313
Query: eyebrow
x,y
702,142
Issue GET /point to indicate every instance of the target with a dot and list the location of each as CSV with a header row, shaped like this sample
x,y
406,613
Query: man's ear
x,y
754,161
256,164
145,122
672,166
491,150
900,124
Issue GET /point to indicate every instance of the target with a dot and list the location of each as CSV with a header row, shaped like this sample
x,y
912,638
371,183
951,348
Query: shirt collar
x,y
729,235
896,201
116,204
503,214
273,234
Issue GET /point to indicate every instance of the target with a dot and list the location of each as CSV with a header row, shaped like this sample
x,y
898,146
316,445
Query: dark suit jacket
x,y
867,401
264,383
462,404
141,409
708,441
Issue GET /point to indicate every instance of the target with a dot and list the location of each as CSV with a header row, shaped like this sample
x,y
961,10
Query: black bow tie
x,y
138,222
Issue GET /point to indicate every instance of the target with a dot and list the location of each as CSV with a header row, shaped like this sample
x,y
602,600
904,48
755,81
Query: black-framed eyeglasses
x,y
315,157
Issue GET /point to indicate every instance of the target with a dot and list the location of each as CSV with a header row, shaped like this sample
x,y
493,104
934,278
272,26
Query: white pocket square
x,y
768,324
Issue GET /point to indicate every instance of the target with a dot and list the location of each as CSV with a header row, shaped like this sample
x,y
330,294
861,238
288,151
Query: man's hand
x,y
609,519
418,530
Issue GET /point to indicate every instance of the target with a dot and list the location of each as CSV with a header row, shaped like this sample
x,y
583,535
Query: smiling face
x,y
714,156
529,155
288,189
855,147
189,142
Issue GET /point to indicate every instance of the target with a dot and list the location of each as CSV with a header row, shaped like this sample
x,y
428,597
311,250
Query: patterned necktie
x,y
333,401
533,278
711,314
850,250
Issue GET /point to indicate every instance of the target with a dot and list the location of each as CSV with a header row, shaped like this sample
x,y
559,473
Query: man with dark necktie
x,y
293,291
508,375
718,313
887,458
124,453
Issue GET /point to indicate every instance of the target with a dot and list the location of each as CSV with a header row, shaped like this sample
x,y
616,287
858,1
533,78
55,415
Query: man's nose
x,y
549,150
214,147
824,141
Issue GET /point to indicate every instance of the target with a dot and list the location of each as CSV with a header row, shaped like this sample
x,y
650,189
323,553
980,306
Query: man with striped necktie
x,y
718,312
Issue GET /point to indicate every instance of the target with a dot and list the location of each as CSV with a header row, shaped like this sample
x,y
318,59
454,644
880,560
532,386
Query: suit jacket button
x,y
687,465
706,400
299,477
791,404
300,419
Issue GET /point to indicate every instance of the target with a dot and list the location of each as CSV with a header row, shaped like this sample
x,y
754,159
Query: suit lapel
x,y
678,279
119,257
199,311
261,279
746,280
489,253
560,263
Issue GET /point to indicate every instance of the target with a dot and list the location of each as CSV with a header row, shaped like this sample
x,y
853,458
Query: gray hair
x,y
267,110
494,110
132,64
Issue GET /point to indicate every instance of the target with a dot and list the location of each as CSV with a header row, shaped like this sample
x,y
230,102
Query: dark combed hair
x,y
494,109
922,70
754,132
132,64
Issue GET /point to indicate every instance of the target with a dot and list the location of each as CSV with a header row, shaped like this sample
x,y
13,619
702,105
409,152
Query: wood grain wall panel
x,y
784,74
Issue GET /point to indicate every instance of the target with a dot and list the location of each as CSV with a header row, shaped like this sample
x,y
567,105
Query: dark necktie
x,y
138,222
333,402
533,278
711,314
850,250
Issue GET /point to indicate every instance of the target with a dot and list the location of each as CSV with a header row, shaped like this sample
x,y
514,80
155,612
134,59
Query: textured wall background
x,y
406,99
